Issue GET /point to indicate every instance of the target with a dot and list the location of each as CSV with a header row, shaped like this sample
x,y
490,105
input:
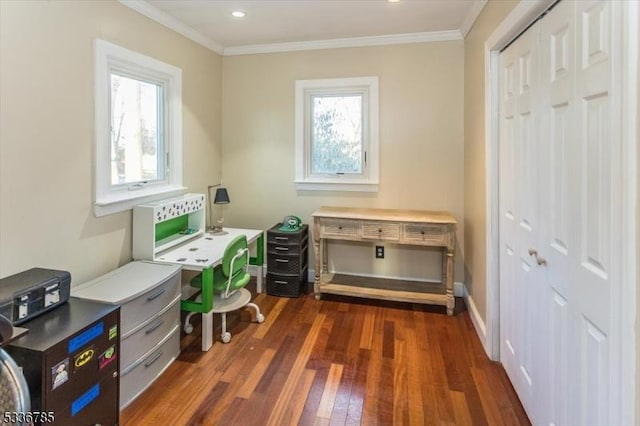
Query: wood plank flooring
x,y
338,361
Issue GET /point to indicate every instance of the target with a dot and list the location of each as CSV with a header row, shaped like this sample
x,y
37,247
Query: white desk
x,y
205,252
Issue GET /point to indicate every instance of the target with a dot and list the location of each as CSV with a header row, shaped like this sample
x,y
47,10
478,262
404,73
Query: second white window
x,y
337,134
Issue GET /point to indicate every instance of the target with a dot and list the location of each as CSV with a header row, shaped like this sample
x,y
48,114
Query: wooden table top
x,y
417,216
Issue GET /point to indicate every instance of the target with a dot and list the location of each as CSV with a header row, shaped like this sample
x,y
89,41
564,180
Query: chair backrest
x,y
14,391
237,245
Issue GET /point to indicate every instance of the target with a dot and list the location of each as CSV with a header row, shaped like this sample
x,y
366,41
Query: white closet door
x,y
596,266
519,186
560,170
558,200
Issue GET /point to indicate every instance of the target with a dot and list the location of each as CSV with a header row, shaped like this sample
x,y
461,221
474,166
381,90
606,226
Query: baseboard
x,y
253,270
478,323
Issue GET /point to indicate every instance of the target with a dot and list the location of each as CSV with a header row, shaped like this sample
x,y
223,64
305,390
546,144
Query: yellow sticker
x,y
83,358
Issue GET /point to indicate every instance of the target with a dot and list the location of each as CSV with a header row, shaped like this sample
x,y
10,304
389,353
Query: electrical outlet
x,y
379,252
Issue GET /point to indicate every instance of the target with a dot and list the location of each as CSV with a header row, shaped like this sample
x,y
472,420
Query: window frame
x,y
109,58
368,181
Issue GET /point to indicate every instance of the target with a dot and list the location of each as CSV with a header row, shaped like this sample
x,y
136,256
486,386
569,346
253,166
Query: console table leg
x,y
318,252
448,278
325,268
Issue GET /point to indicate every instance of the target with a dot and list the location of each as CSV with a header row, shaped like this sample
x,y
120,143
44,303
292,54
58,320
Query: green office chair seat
x,y
229,280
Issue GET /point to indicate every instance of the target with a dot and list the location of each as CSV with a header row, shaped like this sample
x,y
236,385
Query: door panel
x,y
520,295
560,162
508,301
595,266
594,372
557,200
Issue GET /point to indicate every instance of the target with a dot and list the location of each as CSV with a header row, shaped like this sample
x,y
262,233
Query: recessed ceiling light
x,y
238,14
393,1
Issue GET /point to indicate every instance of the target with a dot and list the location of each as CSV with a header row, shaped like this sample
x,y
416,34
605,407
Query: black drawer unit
x,y
71,361
287,261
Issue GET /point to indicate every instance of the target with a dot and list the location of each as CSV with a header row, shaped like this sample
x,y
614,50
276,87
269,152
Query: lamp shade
x,y
222,197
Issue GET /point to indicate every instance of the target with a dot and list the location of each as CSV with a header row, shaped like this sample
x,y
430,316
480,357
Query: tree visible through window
x,y
138,128
136,139
336,140
337,134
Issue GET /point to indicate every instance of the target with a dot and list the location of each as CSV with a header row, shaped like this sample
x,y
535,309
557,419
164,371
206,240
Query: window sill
x,y
119,202
337,186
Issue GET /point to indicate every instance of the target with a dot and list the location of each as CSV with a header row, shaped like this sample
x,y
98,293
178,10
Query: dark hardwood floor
x,y
337,361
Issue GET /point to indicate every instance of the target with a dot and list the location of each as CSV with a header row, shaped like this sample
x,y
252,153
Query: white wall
x,y
475,207
47,130
421,142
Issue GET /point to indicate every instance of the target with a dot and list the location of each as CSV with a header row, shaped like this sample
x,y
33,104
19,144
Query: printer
x,y
26,295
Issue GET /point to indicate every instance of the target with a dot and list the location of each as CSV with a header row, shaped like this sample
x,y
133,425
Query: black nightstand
x,y
287,261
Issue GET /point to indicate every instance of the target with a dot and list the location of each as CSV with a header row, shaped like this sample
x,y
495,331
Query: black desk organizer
x,y
287,261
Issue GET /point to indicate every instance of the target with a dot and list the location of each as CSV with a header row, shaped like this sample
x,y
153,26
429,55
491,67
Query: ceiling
x,y
277,25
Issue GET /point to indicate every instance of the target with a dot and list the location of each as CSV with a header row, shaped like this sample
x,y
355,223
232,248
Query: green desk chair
x,y
229,281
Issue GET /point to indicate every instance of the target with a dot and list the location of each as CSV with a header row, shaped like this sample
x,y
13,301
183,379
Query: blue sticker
x,y
84,338
85,399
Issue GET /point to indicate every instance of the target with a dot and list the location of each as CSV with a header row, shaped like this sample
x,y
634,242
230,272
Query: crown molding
x,y
146,9
471,17
345,42
172,23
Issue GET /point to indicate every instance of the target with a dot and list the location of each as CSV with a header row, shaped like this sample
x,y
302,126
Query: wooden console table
x,y
410,227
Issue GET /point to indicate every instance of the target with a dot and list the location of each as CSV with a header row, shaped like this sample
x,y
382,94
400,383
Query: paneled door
x,y
559,206
560,235
519,184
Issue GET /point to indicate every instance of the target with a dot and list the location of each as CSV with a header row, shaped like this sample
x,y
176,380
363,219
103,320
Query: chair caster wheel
x,y
259,318
226,337
188,328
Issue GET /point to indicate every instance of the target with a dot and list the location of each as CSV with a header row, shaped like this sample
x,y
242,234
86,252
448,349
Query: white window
x,y
337,134
138,128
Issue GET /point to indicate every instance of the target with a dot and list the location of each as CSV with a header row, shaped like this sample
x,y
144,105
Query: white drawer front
x,y
134,381
427,234
140,309
381,231
146,337
340,228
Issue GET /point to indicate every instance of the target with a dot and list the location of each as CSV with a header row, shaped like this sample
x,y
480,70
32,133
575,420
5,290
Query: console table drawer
x,y
340,228
381,231
427,234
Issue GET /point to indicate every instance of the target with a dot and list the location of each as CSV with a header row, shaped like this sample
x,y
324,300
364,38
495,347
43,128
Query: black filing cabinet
x,y
70,358
287,261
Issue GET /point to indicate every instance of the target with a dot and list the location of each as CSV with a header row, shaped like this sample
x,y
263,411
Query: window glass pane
x,y
136,145
336,134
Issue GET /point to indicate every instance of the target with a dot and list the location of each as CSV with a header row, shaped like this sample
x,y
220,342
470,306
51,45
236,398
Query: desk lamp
x,y
221,197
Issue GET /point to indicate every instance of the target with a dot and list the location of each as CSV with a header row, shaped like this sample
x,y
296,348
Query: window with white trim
x,y
337,134
138,128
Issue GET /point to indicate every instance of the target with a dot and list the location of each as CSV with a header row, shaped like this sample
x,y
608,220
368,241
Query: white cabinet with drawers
x,y
149,296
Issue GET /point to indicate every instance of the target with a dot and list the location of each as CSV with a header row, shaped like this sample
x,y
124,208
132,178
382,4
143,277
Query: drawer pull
x,y
339,227
154,326
282,260
379,230
422,232
155,296
154,359
282,248
280,282
282,238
